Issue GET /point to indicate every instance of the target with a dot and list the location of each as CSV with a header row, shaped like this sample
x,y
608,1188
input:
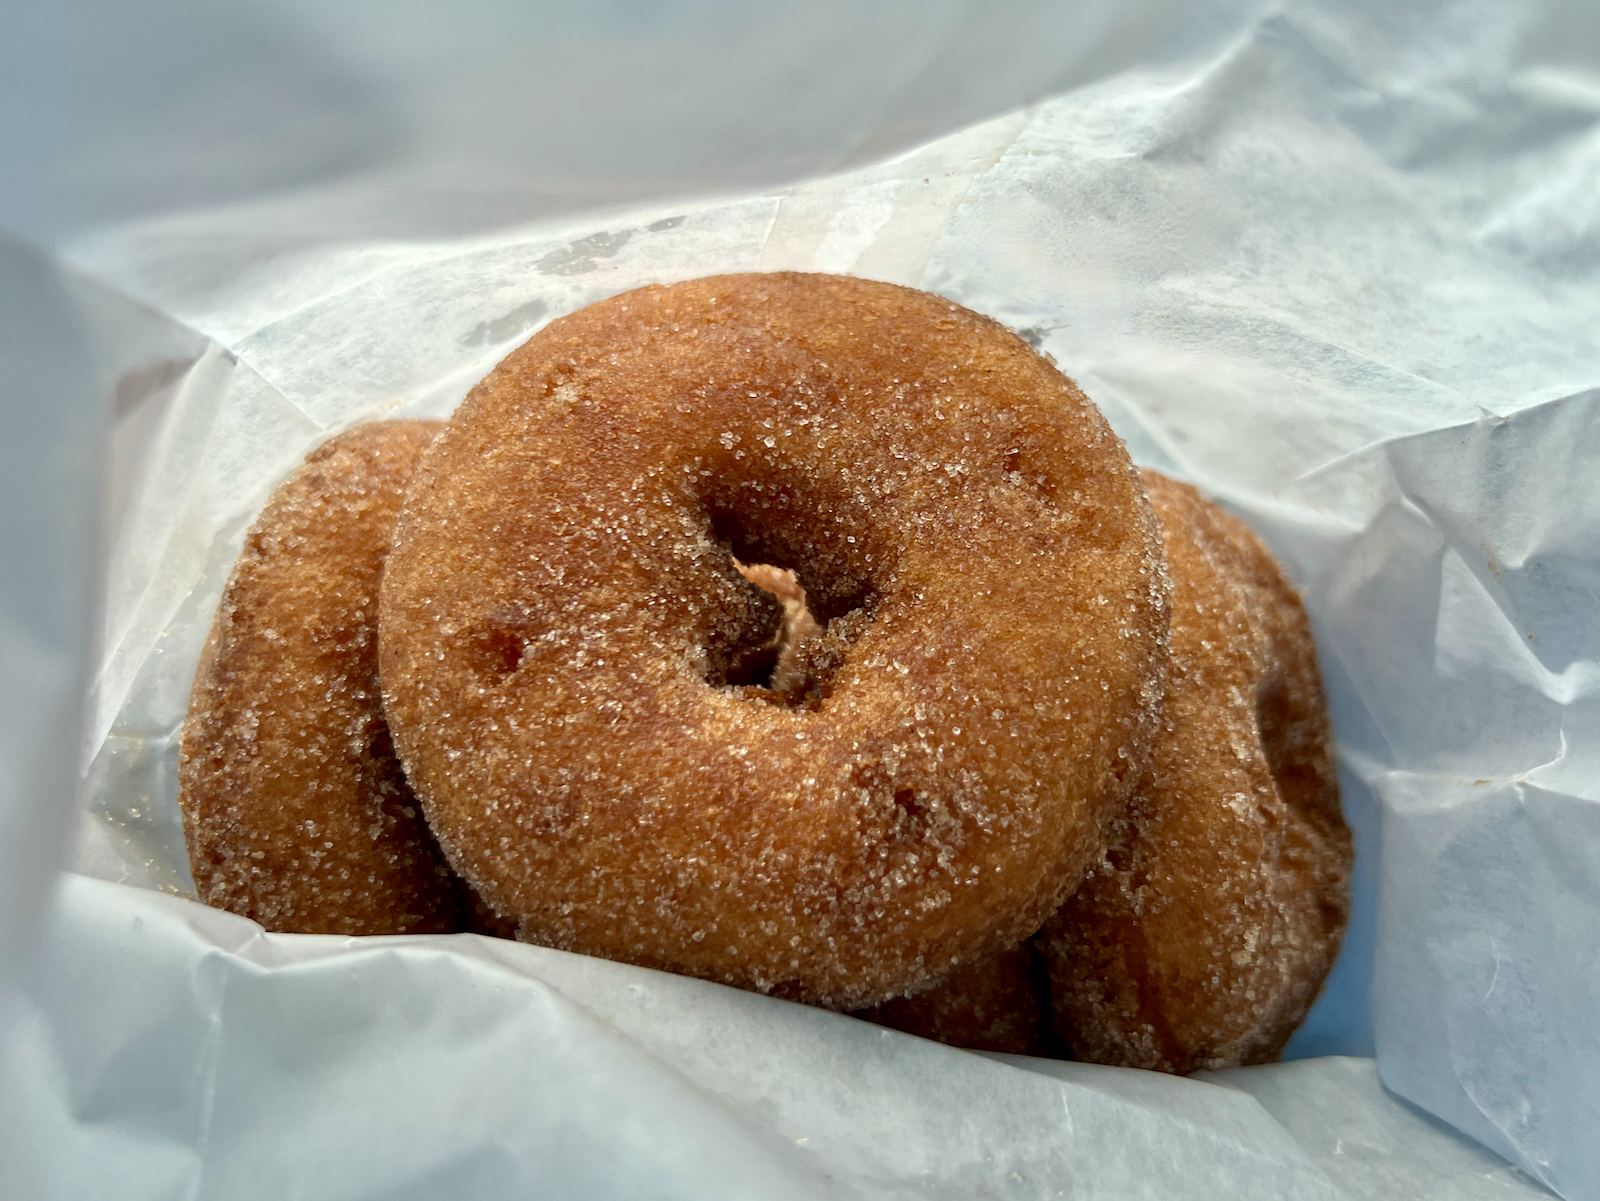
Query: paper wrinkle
x,y
869,1119
1367,1142
64,341
1313,273
902,241
834,1127
1502,883
286,1021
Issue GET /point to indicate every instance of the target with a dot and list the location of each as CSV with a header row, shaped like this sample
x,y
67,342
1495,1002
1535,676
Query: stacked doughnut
x,y
797,632
1202,937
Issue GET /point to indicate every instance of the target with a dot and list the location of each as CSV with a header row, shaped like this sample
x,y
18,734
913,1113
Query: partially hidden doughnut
x,y
295,809
572,660
997,1004
1206,933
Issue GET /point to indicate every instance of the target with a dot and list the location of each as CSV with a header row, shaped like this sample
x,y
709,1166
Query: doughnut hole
x,y
821,589
752,666
833,584
741,646
794,663
759,664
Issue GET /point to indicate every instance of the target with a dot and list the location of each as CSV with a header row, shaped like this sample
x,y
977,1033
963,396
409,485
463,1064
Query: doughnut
x,y
295,809
1206,933
998,1004
571,657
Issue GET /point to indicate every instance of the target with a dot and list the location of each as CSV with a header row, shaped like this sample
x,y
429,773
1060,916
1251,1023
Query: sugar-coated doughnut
x,y
295,809
570,656
997,1004
1203,938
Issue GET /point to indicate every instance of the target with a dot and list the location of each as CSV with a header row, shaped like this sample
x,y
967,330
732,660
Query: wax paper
x,y
1335,263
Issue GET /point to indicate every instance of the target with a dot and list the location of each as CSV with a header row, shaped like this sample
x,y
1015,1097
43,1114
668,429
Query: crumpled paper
x,y
1340,270
324,1067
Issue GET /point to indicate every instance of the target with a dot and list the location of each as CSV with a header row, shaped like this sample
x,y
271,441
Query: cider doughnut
x,y
997,1004
566,638
295,809
1203,938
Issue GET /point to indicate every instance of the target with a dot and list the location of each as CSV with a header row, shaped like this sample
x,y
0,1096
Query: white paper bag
x,y
1338,265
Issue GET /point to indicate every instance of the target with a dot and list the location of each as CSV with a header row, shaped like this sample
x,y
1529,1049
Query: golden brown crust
x,y
295,809
562,608
997,1004
1203,938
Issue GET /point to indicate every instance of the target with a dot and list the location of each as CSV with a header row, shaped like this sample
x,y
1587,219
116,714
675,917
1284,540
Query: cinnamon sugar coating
x,y
295,809
1203,938
566,635
997,1004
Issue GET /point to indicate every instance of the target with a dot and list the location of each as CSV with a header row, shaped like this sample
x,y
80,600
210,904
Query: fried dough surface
x,y
295,809
1203,938
566,635
997,1004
